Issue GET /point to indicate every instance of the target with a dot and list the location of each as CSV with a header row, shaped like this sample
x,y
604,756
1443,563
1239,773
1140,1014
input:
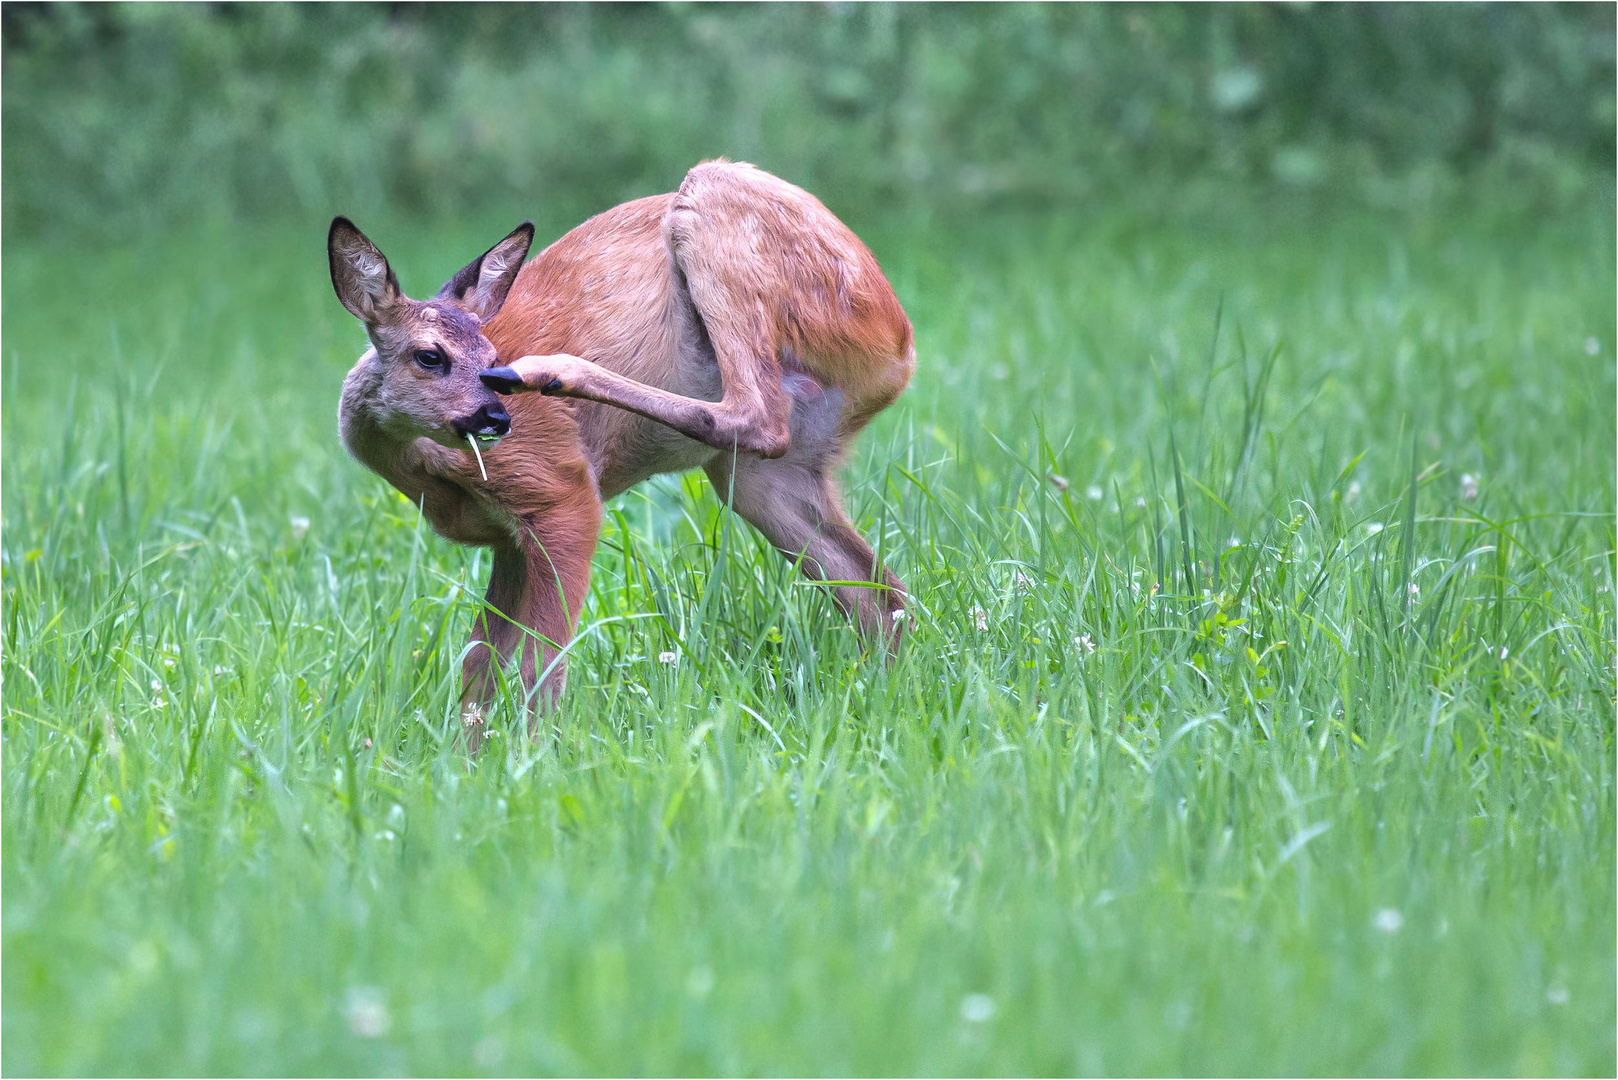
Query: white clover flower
x,y
143,956
1469,486
489,1053
1415,591
366,1012
976,1008
699,983
899,616
668,657
1022,583
156,685
980,619
300,527
1084,644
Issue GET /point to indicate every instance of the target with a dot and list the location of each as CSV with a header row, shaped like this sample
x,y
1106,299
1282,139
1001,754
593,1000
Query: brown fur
x,y
735,325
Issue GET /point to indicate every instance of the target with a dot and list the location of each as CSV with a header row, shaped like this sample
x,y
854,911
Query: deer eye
x,y
431,359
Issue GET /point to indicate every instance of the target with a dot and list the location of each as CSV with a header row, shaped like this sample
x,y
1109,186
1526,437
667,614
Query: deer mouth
x,y
487,426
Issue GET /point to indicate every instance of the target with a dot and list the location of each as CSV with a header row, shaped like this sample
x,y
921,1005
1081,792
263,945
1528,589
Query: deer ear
x,y
483,284
360,273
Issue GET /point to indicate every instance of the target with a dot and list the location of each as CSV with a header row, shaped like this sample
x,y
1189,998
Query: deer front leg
x,y
495,633
536,589
752,417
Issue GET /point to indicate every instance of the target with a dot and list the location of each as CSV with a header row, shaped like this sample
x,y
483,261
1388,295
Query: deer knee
x,y
771,442
766,436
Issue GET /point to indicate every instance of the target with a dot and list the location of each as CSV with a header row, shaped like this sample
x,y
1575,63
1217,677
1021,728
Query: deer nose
x,y
490,421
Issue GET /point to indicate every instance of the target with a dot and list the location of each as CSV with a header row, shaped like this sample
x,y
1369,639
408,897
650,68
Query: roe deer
x,y
735,325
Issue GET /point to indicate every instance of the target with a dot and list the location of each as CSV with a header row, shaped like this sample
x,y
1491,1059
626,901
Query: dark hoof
x,y
551,387
502,380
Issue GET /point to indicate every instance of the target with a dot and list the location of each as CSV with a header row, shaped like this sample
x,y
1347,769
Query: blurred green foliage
x,y
130,115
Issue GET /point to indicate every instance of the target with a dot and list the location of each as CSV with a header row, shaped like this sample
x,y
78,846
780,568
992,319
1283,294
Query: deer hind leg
x,y
536,589
793,500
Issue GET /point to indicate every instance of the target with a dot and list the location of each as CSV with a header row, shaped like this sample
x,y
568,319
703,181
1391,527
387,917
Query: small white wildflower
x,y
1469,486
1093,493
1022,583
700,982
1558,995
221,669
980,619
1233,542
1503,651
1388,920
366,1013
143,957
1592,346
899,616
168,662
667,657
385,834
976,1008
472,716
1415,591
1353,490
300,527
156,685
489,1053
1373,527
1140,501
1084,644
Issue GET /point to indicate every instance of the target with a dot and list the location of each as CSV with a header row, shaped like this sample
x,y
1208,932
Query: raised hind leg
x,y
767,269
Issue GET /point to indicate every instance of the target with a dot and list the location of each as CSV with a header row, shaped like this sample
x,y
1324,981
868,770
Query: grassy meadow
x,y
1256,716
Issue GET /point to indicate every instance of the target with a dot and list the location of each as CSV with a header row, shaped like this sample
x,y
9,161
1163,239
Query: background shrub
x,y
118,115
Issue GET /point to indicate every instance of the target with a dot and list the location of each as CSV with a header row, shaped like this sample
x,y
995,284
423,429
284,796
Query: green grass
x,y
1333,792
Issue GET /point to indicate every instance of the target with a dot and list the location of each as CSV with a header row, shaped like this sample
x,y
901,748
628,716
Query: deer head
x,y
420,376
